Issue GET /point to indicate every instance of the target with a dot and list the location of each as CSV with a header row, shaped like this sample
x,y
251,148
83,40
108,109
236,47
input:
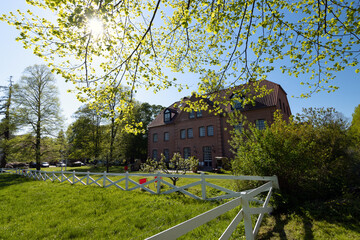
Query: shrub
x,y
309,155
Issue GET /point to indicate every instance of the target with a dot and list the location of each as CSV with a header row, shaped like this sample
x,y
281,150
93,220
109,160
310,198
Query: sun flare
x,y
96,27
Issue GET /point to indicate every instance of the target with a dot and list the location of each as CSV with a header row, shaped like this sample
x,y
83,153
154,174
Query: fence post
x,y
73,176
87,178
53,176
62,175
158,183
104,183
127,181
203,186
247,218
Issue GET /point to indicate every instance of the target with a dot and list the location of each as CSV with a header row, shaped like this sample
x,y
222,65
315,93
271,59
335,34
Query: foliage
x,y
311,158
85,135
176,165
7,124
89,137
134,146
22,148
104,44
355,123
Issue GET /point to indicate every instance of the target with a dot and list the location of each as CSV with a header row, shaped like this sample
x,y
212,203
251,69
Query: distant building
x,y
203,134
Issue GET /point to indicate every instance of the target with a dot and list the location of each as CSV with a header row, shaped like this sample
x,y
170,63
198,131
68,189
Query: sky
x,y
14,59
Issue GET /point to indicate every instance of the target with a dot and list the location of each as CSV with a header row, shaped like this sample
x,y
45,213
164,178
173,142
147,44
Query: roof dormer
x,y
167,115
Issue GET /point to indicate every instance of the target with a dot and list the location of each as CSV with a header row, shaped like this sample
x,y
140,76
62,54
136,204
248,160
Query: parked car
x,y
32,165
44,164
61,164
77,164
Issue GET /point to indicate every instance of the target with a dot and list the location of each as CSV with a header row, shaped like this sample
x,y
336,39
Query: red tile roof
x,y
265,101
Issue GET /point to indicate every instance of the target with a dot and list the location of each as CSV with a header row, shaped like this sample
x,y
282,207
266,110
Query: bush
x,y
310,155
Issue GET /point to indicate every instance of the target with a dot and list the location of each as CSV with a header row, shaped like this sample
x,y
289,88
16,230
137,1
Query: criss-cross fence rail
x,y
125,181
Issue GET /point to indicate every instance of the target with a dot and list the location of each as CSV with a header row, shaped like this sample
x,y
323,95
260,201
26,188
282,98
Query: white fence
x,y
125,182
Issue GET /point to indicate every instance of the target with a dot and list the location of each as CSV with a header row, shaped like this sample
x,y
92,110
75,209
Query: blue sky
x,y
14,59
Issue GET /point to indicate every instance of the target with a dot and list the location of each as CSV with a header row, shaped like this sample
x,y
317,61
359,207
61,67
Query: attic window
x,y
237,102
167,115
192,114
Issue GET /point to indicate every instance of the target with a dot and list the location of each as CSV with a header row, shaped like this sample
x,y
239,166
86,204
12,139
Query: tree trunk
x,y
38,136
111,142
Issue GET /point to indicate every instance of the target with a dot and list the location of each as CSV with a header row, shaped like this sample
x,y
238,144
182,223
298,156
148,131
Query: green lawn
x,y
45,210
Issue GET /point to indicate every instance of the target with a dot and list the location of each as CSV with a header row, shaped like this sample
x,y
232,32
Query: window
x,y
237,102
154,154
166,155
166,136
199,114
167,115
187,152
155,137
190,133
260,124
182,133
192,114
207,156
202,131
238,127
210,130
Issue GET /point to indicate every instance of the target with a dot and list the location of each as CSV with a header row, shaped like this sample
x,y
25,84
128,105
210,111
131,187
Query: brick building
x,y
206,135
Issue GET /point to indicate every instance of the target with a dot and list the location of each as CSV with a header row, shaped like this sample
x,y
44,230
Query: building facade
x,y
206,135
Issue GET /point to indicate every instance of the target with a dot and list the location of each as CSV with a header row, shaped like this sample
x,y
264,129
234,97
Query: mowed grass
x,y
45,210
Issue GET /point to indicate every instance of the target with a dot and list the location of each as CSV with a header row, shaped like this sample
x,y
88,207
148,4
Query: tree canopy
x,y
112,42
37,104
355,123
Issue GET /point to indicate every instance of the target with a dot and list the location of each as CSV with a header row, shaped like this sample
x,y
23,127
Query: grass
x,y
45,210
333,219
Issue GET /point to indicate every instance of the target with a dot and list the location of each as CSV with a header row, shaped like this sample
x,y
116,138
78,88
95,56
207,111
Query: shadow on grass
x,y
11,179
277,230
341,212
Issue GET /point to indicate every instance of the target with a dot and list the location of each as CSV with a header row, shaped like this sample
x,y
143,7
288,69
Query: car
x,y
61,164
32,165
44,164
78,164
